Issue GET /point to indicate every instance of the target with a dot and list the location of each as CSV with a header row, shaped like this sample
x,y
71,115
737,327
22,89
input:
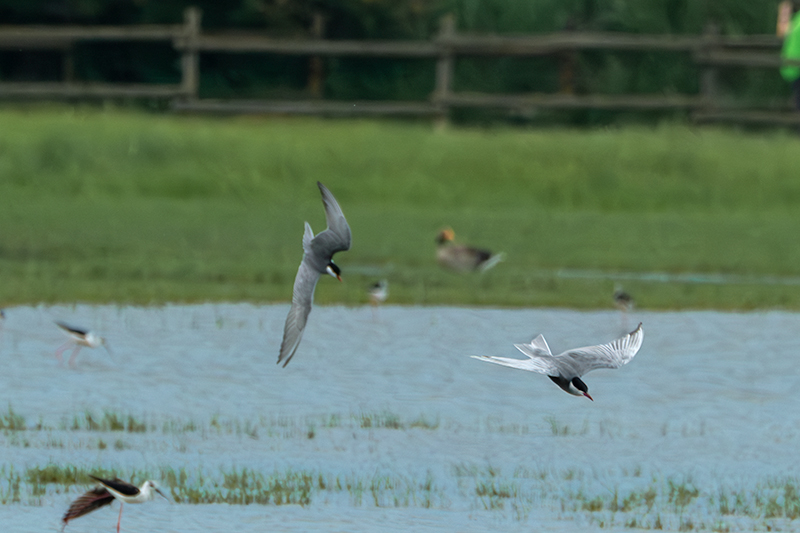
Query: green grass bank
x,y
115,206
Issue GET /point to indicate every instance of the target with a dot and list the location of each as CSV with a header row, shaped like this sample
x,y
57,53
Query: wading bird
x,y
378,292
78,338
106,492
622,299
317,260
462,258
624,303
566,369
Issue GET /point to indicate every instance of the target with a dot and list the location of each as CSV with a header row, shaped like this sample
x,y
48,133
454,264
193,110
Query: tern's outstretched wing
x,y
542,365
88,502
611,355
302,296
337,237
537,348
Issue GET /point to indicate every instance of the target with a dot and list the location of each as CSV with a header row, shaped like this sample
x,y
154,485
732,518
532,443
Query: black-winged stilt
x,y
78,338
106,492
378,292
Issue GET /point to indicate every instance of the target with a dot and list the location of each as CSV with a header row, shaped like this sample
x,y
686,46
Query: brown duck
x,y
463,258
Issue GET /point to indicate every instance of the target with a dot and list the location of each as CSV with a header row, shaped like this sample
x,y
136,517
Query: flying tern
x,y
317,260
566,369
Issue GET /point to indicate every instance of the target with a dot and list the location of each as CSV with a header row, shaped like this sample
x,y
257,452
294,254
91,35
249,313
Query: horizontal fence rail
x,y
710,52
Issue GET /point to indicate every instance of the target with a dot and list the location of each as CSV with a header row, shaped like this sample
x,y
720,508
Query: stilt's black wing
x,y
72,329
123,487
94,499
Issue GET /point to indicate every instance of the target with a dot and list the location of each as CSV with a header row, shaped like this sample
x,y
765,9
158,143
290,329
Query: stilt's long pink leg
x,y
61,350
74,354
120,516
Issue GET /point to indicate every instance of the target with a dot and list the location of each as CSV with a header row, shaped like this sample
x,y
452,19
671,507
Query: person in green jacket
x,y
789,29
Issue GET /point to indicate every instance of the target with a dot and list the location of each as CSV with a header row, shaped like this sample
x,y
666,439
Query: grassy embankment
x,y
111,206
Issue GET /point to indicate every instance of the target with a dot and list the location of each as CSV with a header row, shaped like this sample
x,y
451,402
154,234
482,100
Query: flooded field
x,y
382,423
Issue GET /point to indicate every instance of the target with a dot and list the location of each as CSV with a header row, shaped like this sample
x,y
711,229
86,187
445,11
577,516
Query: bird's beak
x,y
162,494
587,395
333,273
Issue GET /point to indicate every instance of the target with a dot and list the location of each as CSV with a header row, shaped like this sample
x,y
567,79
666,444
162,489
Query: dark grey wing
x,y
337,237
302,296
94,499
123,487
72,329
612,355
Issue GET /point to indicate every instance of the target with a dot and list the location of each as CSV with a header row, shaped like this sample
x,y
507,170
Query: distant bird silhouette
x,y
317,260
106,492
462,258
78,338
566,369
624,303
622,299
378,292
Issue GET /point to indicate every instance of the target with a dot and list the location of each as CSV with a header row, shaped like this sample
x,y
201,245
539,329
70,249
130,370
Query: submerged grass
x,y
657,503
237,486
12,421
267,426
114,206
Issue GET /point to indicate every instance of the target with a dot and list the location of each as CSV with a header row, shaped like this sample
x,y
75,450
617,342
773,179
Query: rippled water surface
x,y
418,436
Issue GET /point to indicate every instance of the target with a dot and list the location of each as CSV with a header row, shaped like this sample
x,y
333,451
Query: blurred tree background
x,y
263,75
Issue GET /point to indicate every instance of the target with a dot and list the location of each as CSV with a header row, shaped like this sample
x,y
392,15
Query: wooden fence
x,y
710,52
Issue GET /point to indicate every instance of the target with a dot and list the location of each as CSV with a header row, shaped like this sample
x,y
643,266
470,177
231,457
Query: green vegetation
x,y
12,421
110,206
251,75
237,486
15,424
656,504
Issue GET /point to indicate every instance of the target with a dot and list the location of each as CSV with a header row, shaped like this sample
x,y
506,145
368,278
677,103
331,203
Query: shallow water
x,y
707,405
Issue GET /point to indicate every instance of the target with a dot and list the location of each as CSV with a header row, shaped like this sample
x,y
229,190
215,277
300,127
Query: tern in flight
x,y
566,369
317,260
106,492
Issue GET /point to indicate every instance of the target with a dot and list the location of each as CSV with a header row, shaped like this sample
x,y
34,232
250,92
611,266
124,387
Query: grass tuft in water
x,y
109,421
12,421
380,420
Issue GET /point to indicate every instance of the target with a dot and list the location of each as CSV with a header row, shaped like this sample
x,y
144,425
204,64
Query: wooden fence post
x,y
68,63
190,61
708,78
444,69
316,68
